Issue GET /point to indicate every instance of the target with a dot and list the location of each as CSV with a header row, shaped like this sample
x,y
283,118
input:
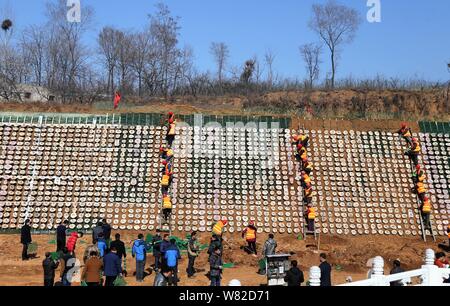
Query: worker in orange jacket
x,y
308,194
167,173
166,154
310,216
420,190
304,179
414,151
406,133
300,139
419,176
448,235
171,125
425,210
249,233
167,207
218,228
307,167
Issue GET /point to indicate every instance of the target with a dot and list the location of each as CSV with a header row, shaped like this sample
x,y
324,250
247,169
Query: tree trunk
x,y
333,68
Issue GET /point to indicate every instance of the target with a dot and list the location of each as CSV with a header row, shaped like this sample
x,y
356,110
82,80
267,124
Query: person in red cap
x,y
250,236
171,125
117,98
406,133
171,118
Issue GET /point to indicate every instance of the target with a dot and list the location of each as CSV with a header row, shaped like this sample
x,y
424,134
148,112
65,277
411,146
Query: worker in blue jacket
x,y
172,255
139,251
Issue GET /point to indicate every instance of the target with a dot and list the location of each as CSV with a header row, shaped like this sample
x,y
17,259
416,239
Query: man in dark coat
x,y
25,238
216,265
397,269
325,271
120,247
156,243
294,276
106,230
61,232
49,266
112,267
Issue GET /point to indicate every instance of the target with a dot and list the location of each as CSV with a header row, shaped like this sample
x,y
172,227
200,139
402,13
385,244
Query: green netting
x,y
32,248
434,127
228,265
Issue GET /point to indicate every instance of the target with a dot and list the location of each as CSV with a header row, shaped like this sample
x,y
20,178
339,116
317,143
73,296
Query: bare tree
x,y
107,42
336,24
165,31
311,56
269,58
33,44
141,48
220,52
247,73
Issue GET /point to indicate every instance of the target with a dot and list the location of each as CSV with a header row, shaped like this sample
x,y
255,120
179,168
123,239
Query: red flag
x,y
117,98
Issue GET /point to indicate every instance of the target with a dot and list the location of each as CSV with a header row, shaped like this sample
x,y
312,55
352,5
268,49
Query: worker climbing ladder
x,y
423,227
165,225
304,206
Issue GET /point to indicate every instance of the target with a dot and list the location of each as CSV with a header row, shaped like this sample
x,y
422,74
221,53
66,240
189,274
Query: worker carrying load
x,y
406,133
414,151
300,139
171,125
419,176
425,210
167,176
249,233
310,216
167,206
420,190
305,179
166,154
301,153
308,194
219,227
307,167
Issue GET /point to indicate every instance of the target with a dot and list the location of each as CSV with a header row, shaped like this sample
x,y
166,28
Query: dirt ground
x,y
351,253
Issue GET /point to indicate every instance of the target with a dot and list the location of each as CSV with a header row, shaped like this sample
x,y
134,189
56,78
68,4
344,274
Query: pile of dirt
x,y
350,254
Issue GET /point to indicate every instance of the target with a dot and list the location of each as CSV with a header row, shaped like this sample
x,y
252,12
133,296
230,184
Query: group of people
x,y
419,176
305,166
167,154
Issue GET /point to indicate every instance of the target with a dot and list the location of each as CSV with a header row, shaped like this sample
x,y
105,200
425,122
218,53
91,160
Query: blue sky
x,y
412,40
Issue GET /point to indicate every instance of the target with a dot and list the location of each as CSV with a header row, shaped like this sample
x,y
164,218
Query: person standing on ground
x,y
162,278
325,271
216,265
396,269
67,262
96,231
113,269
72,242
193,252
25,239
172,255
120,247
250,236
269,248
163,247
61,233
102,245
139,251
156,244
92,270
106,228
294,276
215,242
49,266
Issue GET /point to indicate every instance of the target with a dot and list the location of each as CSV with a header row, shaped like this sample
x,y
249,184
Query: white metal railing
x,y
430,274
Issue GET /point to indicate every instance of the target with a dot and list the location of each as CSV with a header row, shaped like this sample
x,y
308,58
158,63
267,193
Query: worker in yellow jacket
x,y
171,125
414,151
425,209
167,206
219,227
249,233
